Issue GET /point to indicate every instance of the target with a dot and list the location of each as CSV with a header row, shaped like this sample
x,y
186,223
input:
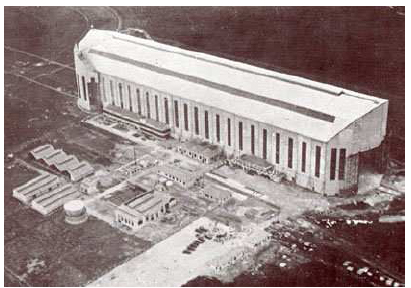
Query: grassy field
x,y
71,255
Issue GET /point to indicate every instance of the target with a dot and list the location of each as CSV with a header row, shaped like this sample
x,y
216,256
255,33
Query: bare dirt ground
x,y
292,200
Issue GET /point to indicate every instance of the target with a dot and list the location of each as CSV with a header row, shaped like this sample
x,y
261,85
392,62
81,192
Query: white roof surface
x,y
306,107
63,161
74,205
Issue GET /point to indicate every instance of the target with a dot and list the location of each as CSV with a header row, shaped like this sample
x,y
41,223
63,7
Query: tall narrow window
x,y
229,131
177,120
138,101
252,140
166,110
290,152
206,132
185,107
333,163
217,126
317,160
83,81
130,102
341,167
264,143
277,148
303,156
240,136
120,91
112,92
156,105
148,105
103,89
78,86
196,126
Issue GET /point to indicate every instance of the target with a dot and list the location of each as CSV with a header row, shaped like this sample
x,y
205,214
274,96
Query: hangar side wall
x,y
134,98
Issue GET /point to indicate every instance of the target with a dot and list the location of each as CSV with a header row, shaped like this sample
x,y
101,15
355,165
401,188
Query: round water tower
x,y
75,212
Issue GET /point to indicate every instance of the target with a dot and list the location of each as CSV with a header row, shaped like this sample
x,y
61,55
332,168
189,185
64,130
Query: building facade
x,y
216,194
314,133
142,209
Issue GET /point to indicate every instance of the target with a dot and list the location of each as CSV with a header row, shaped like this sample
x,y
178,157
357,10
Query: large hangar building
x,y
315,133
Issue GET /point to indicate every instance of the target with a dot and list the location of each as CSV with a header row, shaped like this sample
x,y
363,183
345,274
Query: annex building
x,y
312,132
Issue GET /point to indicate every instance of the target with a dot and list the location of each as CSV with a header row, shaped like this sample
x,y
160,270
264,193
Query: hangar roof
x,y
296,104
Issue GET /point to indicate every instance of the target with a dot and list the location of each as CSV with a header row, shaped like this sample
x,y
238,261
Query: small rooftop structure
x,y
62,162
50,201
36,187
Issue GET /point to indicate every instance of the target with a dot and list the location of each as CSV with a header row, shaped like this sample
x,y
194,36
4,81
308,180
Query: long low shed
x,y
36,187
52,200
62,162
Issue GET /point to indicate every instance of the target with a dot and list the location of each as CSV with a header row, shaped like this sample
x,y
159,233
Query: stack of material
x,y
52,200
62,162
36,187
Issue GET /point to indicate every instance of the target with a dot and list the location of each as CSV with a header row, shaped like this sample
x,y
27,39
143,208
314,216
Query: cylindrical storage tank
x,y
75,212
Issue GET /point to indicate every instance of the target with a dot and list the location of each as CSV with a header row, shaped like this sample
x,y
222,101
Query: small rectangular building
x,y
36,187
183,177
253,163
216,193
199,150
142,209
52,200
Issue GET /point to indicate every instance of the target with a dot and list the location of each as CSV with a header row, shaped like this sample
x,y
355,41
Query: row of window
x,y
218,135
151,217
186,121
303,155
341,168
139,105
